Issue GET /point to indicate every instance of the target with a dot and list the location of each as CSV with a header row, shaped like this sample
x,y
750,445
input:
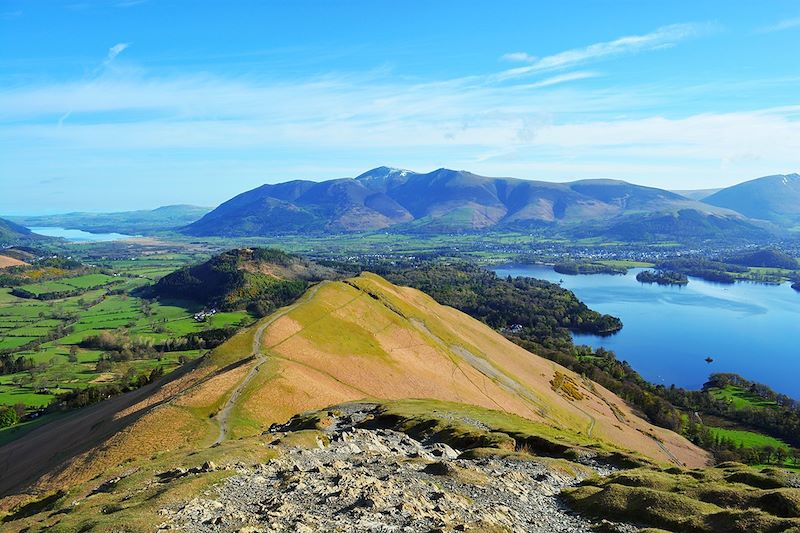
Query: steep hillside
x,y
127,222
294,206
446,200
765,258
368,338
11,232
8,261
681,225
342,341
773,198
261,277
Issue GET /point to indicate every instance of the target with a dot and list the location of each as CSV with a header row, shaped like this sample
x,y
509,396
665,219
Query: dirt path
x,y
666,451
224,414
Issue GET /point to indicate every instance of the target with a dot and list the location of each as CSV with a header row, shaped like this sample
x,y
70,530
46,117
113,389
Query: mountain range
x,y
446,201
449,200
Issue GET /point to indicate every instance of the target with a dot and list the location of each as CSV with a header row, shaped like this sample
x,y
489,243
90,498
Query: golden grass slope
x,y
6,261
366,338
362,338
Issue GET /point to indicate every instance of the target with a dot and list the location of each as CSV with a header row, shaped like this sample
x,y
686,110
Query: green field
x,y
69,285
748,439
740,398
47,331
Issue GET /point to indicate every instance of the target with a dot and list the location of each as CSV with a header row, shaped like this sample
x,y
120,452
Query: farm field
x,y
66,286
748,439
739,398
47,333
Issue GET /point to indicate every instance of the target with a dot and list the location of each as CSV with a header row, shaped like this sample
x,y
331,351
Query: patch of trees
x,y
779,419
765,257
96,393
202,340
8,279
726,449
61,263
56,295
796,285
11,415
239,279
574,268
120,346
45,269
11,365
545,311
704,268
722,379
662,277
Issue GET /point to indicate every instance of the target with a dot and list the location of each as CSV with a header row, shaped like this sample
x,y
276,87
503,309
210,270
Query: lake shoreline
x,y
77,236
669,331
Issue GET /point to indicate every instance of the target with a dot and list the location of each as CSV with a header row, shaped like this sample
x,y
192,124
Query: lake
x,y
76,235
747,328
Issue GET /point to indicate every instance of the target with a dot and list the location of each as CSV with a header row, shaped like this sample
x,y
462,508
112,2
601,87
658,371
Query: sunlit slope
x,y
342,341
366,338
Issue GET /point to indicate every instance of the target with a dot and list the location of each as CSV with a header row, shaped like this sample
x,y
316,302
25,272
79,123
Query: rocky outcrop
x,y
347,478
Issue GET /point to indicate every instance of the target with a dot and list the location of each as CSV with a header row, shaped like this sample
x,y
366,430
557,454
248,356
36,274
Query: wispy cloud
x,y
662,37
518,57
563,78
264,129
785,24
114,51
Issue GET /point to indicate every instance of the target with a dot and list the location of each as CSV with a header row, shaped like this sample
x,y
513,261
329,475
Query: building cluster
x,y
204,314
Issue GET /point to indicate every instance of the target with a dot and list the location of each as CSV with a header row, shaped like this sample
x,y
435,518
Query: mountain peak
x,y
774,198
383,173
443,199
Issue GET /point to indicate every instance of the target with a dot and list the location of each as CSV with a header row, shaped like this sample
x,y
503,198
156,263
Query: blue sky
x,y
124,104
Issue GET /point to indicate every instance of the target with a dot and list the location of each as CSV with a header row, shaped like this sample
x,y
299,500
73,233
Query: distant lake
x,y
76,235
747,328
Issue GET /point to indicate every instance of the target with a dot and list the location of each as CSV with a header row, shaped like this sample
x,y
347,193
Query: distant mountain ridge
x,y
448,200
138,222
773,198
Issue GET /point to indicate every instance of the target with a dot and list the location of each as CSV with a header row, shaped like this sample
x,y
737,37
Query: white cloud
x,y
521,127
664,36
786,24
563,78
342,114
114,51
518,57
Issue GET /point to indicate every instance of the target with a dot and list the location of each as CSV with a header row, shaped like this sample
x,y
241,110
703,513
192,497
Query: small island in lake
x,y
574,268
662,277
